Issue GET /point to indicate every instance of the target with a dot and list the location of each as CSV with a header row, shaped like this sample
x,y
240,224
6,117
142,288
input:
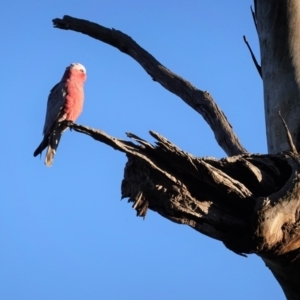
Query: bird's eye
x,y
81,70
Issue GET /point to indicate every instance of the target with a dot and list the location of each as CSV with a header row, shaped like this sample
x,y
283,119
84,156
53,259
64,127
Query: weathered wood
x,y
244,201
278,24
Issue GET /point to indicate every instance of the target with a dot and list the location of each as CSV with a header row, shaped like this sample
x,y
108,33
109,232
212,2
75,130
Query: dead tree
x,y
249,202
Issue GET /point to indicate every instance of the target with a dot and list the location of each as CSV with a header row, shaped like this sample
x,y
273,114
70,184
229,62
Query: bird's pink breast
x,y
75,96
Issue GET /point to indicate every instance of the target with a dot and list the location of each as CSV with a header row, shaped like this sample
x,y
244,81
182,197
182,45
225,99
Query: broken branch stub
x,y
234,200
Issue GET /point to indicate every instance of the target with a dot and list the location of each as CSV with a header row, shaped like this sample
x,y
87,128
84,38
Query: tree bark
x,y
278,24
249,202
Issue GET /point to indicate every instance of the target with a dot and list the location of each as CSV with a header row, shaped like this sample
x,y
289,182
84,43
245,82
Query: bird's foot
x,y
69,124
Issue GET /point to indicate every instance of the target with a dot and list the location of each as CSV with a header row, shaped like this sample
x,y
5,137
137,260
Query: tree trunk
x,y
278,27
249,202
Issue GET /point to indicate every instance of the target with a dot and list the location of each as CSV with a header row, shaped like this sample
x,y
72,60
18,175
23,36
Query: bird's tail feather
x,y
53,144
41,147
49,156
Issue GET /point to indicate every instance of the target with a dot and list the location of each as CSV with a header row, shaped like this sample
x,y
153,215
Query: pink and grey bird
x,y
65,103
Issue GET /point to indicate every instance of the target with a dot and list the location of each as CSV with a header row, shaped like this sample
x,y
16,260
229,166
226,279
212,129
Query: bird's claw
x,y
69,124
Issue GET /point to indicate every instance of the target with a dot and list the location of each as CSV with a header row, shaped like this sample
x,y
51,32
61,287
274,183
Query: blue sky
x,y
64,232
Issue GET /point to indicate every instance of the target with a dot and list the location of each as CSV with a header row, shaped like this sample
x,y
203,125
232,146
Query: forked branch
x,y
200,101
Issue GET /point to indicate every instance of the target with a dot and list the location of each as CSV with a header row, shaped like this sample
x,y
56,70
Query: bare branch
x,y
254,17
288,135
200,101
258,67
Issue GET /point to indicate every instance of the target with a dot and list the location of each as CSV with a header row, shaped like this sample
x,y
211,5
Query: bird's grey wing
x,y
55,105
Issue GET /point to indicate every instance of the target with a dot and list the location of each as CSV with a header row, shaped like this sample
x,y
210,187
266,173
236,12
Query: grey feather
x,y
52,129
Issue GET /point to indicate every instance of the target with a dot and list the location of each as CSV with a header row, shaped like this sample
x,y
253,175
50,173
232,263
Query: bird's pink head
x,y
76,71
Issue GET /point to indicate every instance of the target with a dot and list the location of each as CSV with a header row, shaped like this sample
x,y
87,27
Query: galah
x,y
65,103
